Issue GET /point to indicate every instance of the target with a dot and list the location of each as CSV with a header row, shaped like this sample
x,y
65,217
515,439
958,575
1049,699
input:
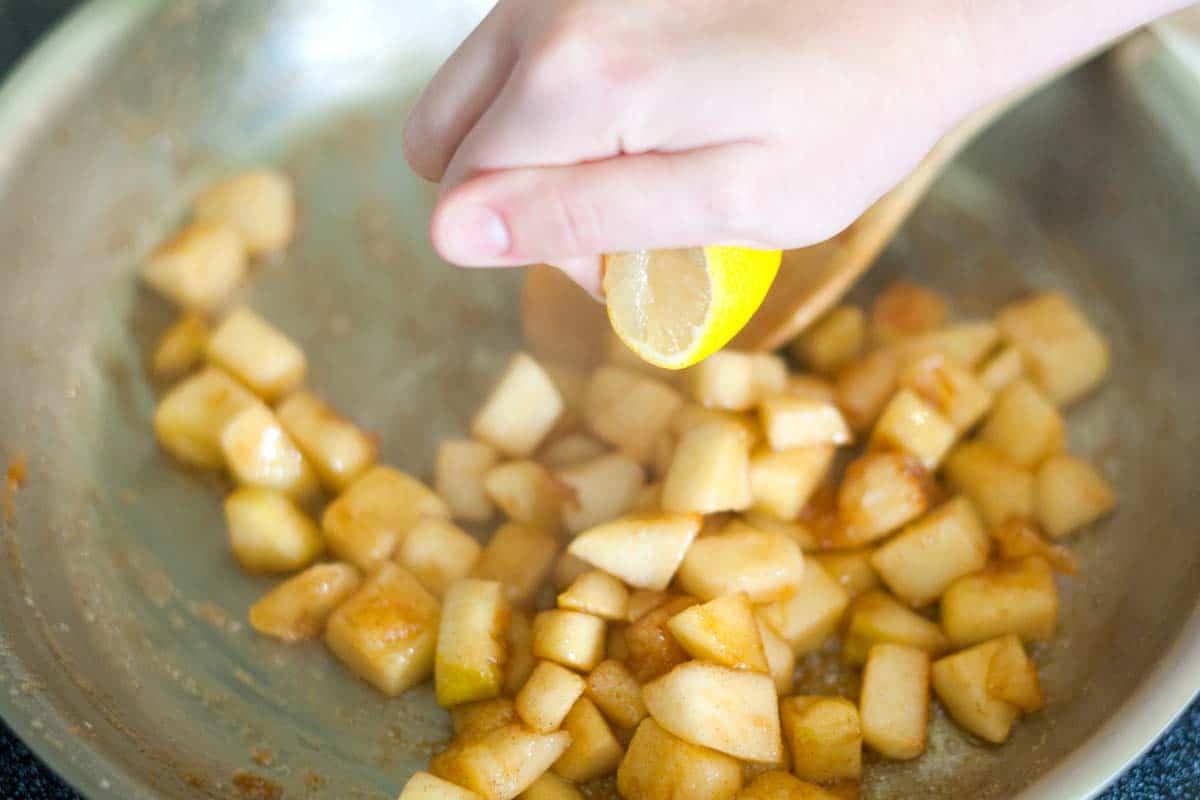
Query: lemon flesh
x,y
676,307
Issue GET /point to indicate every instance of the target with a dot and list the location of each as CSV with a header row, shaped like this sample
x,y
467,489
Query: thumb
x,y
569,215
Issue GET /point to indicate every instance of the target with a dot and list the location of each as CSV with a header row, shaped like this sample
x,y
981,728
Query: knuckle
x,y
584,46
577,221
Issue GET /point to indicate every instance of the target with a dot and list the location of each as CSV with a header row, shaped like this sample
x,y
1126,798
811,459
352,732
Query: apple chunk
x,y
661,766
471,646
764,565
731,711
722,631
643,550
501,764
387,631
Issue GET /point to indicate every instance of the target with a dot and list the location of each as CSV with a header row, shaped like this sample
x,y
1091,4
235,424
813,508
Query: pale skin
x,y
564,129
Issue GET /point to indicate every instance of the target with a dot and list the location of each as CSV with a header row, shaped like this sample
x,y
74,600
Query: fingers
x,y
458,95
561,214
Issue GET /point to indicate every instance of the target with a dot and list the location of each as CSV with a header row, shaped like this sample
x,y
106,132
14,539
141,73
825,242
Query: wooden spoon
x,y
813,279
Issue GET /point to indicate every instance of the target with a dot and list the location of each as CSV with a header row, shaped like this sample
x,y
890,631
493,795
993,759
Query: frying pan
x,y
125,660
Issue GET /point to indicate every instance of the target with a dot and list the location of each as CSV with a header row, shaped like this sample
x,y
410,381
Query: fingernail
x,y
470,234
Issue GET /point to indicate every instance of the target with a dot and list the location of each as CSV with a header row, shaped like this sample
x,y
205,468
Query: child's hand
x,y
563,129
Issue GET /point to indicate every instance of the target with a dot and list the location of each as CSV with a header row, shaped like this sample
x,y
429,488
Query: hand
x,y
563,129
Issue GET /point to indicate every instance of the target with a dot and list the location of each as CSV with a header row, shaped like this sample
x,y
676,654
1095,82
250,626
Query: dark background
x,y
1170,770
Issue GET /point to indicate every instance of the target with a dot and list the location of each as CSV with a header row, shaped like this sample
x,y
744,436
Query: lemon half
x,y
675,308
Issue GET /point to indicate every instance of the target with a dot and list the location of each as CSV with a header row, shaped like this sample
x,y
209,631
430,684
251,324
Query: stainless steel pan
x,y
124,659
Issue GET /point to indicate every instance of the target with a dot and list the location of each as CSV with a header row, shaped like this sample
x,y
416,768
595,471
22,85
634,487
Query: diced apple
x,y
779,785
521,409
567,568
723,380
691,416
462,465
877,618
864,386
764,565
547,696
852,569
528,494
1069,494
648,500
963,343
722,631
643,550
190,417
770,374
933,552
781,662
604,488
894,701
1012,676
1007,597
472,720
338,449
257,354
199,268
798,532
904,310
791,420
471,645
520,651
833,340
629,410
181,347
259,453
297,608
1018,538
268,533
570,638
1023,426
259,204
661,766
653,650
438,552
574,448
710,471
812,614
643,601
551,787
594,750
596,592
368,521
615,691
1002,368
731,711
423,786
950,389
823,736
960,681
998,488
520,557
501,764
387,631
813,387
910,425
781,482
1063,353
880,492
